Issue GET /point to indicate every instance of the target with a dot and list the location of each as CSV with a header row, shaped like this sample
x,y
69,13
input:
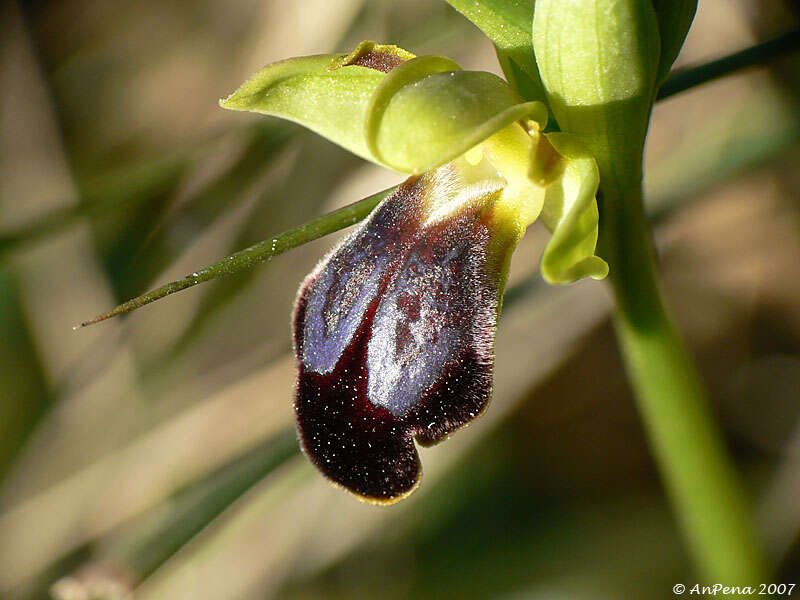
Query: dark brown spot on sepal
x,y
380,61
401,349
381,57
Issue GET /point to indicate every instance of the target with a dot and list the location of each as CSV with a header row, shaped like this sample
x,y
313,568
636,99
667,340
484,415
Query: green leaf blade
x,y
254,255
526,85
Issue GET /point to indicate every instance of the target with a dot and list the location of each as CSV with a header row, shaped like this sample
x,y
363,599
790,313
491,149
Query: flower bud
x,y
599,62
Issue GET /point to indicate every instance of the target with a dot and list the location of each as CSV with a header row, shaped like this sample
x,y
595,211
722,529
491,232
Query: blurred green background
x,y
154,455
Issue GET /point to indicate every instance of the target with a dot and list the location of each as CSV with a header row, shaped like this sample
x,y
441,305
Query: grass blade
x,y
255,254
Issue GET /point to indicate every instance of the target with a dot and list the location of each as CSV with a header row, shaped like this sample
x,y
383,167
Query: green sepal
x,y
570,213
674,20
422,114
311,91
508,24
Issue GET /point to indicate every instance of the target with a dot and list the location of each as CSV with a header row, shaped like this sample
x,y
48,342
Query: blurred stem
x,y
762,53
151,543
699,475
121,189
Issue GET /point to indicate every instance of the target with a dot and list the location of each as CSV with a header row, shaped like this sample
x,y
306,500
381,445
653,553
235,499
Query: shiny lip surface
x,y
399,349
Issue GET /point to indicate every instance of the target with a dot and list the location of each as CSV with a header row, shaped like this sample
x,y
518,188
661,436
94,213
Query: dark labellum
x,y
394,334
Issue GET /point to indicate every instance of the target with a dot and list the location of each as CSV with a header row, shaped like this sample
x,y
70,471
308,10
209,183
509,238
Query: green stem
x,y
759,54
255,254
686,443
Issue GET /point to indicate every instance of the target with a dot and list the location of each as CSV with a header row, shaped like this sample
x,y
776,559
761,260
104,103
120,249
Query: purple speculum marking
x,y
394,334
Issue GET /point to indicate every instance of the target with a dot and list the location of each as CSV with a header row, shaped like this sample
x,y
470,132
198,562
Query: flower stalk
x,y
688,447
601,65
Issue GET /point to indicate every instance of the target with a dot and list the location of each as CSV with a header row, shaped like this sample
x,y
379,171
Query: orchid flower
x,y
394,329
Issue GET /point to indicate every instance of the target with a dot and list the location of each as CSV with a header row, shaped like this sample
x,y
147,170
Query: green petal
x,y
431,120
311,91
570,212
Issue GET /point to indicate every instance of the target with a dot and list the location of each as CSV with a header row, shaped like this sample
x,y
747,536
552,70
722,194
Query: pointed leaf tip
x,y
254,255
